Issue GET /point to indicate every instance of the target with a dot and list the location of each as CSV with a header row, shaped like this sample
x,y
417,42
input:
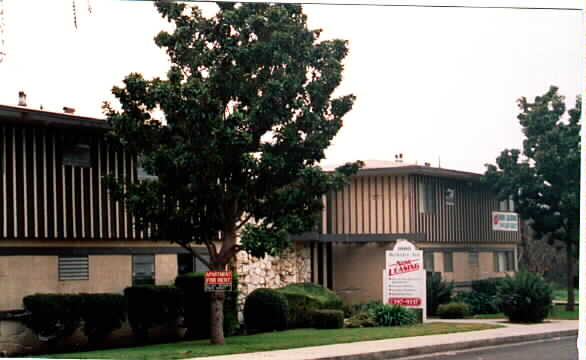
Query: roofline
x,y
22,115
421,170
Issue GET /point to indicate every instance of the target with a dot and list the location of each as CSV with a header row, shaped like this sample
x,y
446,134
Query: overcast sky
x,y
430,83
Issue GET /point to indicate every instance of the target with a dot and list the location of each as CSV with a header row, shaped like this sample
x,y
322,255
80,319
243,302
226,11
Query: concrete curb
x,y
464,345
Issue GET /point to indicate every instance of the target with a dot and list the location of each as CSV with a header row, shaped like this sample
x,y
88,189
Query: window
x,y
143,270
450,197
473,258
504,261
427,197
77,155
73,268
428,263
507,205
187,264
448,262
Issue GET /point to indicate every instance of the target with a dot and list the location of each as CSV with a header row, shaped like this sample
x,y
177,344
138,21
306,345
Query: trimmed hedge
x,y
265,310
328,319
304,299
101,314
361,320
53,316
150,305
455,310
197,310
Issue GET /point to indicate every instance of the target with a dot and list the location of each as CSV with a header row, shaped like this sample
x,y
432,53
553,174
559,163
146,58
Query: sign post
x,y
218,281
404,277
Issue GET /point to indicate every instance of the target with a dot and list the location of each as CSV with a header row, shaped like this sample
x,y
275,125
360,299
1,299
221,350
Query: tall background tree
x,y
544,178
248,111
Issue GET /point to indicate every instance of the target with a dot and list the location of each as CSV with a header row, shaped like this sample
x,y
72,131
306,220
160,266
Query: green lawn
x,y
271,341
559,313
562,294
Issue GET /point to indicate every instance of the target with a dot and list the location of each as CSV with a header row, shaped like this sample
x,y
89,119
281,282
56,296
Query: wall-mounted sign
x,y
218,281
505,221
404,277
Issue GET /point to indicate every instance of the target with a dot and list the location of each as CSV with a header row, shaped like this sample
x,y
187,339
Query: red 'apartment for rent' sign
x,y
218,281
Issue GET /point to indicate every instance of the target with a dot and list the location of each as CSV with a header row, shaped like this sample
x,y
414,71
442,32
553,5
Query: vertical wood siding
x,y
391,205
369,205
467,221
40,198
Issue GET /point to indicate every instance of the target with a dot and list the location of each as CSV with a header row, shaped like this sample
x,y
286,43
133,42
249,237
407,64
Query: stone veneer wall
x,y
293,266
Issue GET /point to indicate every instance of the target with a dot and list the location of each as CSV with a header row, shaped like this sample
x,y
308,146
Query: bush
x,y
393,315
197,309
328,319
361,320
525,298
486,286
301,308
305,298
52,316
480,303
438,292
326,297
265,310
455,310
150,305
101,314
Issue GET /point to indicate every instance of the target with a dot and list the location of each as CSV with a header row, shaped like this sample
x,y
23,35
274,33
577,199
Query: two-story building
x,y
447,213
60,232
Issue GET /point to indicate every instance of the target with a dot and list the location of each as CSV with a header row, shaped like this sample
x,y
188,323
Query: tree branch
x,y
195,254
243,222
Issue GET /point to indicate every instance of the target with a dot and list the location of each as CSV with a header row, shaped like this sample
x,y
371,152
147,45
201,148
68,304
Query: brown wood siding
x,y
40,198
467,221
370,205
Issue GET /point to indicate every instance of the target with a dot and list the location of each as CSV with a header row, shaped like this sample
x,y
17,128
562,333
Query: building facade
x,y
446,213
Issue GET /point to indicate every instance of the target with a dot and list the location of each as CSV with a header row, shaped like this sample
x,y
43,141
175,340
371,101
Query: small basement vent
x,y
73,268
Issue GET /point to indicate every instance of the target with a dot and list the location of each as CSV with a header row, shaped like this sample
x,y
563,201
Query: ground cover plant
x,y
272,341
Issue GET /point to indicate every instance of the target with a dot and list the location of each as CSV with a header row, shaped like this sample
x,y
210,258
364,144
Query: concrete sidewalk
x,y
393,348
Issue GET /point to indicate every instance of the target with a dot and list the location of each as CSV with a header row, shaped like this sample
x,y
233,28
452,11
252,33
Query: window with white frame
x,y
427,197
504,261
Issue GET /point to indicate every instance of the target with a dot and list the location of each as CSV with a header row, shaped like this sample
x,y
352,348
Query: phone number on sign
x,y
405,301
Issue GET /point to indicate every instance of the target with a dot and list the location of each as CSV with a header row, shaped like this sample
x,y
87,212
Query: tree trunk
x,y
570,282
217,318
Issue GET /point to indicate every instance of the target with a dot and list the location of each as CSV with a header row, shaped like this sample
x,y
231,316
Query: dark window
x,y
143,270
187,263
428,263
77,155
473,258
427,198
73,268
448,262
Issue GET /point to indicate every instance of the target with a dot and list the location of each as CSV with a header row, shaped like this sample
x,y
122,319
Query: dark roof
x,y
421,170
26,116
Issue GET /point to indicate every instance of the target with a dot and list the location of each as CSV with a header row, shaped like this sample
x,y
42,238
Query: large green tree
x,y
544,178
248,112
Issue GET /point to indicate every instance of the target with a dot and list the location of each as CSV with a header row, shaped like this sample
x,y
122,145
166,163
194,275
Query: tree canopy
x,y
248,112
544,178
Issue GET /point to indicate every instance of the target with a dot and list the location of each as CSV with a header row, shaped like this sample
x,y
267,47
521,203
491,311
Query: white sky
x,y
429,82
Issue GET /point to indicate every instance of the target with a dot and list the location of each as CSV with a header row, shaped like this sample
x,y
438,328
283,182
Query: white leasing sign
x,y
404,277
505,221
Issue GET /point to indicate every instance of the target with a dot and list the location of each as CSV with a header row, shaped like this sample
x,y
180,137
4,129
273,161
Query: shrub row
x,y
54,315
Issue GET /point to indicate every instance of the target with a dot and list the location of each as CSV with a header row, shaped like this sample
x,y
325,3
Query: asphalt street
x,y
552,349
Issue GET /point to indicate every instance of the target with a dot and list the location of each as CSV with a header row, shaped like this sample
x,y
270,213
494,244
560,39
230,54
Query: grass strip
x,y
272,341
